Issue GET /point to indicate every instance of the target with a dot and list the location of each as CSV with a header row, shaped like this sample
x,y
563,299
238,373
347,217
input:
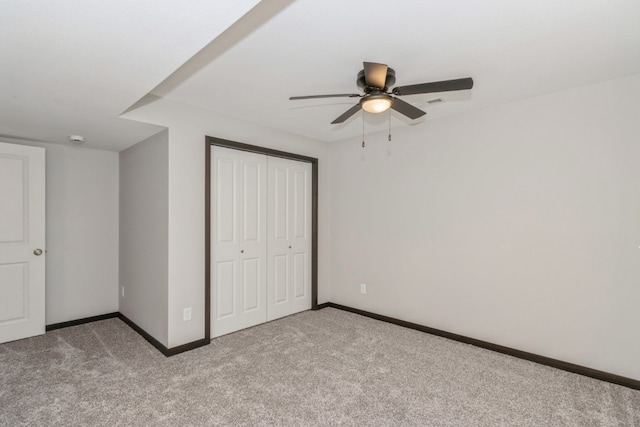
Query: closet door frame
x,y
211,141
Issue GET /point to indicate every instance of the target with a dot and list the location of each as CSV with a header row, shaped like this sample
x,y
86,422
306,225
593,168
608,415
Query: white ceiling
x,y
74,66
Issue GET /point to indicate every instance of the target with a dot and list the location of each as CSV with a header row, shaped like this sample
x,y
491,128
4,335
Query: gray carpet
x,y
315,368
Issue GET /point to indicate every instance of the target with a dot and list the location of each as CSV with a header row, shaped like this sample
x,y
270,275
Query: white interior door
x,y
22,241
238,243
289,240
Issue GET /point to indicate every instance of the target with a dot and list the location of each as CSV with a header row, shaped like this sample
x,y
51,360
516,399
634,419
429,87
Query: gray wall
x,y
144,235
518,225
82,233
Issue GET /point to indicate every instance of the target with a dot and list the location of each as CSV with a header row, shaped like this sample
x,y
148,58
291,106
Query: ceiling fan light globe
x,y
376,103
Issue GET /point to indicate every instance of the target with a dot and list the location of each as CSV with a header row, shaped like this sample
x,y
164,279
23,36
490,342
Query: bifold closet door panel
x,y
238,240
289,237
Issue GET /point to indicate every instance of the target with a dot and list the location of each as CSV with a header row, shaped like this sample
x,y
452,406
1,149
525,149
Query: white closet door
x,y
289,241
238,244
22,239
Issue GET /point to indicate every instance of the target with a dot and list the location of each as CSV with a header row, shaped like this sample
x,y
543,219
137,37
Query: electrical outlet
x,y
186,314
122,291
363,288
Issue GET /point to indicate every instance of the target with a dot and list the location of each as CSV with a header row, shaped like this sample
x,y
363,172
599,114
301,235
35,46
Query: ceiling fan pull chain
x,y
389,125
363,129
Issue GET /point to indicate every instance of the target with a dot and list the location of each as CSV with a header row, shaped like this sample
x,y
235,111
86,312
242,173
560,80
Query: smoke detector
x,y
76,139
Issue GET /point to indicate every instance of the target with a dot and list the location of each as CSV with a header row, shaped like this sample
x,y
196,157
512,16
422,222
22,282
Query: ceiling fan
x,y
376,79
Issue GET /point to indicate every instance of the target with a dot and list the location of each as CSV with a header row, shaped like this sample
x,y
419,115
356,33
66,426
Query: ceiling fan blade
x,y
443,86
407,109
375,75
350,112
337,95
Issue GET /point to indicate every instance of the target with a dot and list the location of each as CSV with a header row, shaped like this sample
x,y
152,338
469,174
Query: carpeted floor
x,y
327,367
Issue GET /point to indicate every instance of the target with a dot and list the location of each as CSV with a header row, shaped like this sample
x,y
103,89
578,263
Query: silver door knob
x,y
37,252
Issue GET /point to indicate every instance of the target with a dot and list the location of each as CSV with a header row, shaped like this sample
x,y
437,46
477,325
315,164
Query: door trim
x,y
219,142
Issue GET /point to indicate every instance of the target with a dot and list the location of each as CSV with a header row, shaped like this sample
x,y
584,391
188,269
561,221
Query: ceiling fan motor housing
x,y
390,80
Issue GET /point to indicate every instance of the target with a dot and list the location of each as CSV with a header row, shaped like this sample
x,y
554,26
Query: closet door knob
x,y
37,252
242,251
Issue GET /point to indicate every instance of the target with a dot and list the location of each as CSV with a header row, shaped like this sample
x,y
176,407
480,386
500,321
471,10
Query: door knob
x,y
242,251
37,252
